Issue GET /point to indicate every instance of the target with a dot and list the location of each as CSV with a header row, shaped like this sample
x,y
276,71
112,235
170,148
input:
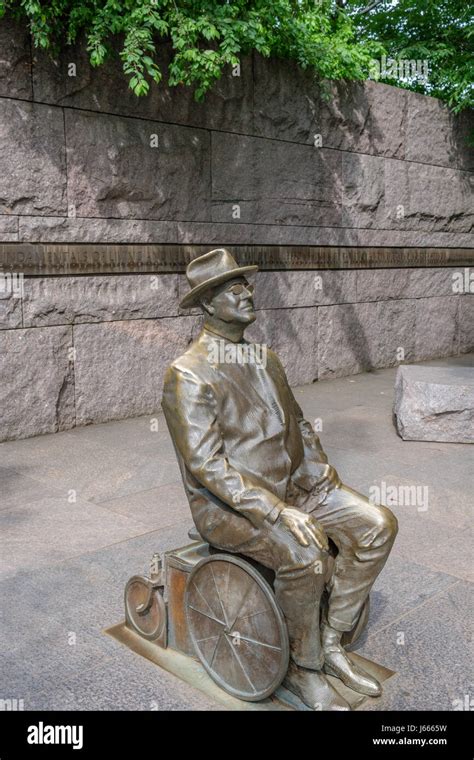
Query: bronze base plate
x,y
191,671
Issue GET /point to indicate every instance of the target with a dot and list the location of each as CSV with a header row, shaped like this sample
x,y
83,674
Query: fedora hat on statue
x,y
210,270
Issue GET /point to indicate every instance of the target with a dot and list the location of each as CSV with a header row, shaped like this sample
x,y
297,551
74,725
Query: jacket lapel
x,y
254,391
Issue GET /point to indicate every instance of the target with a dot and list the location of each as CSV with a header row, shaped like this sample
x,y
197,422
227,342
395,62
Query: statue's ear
x,y
207,305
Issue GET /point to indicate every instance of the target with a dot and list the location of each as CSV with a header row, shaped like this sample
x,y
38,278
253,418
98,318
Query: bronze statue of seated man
x,y
259,484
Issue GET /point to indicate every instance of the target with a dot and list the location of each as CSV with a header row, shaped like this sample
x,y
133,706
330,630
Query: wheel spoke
x,y
219,596
249,588
219,639
254,641
233,650
208,638
206,603
252,614
205,614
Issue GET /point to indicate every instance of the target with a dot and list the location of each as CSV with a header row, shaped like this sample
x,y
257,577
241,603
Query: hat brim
x,y
191,298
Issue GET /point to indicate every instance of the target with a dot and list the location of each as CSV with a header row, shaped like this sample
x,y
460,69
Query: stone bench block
x,y
435,403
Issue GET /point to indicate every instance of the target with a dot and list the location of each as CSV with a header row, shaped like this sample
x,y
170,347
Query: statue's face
x,y
233,301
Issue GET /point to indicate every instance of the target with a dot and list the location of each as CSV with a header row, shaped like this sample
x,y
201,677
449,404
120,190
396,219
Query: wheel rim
x,y
236,626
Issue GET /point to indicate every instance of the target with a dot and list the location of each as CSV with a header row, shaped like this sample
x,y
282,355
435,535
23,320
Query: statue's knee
x,y
380,531
304,559
390,523
385,528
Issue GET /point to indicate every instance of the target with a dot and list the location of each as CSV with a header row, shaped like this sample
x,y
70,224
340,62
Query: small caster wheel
x,y
145,609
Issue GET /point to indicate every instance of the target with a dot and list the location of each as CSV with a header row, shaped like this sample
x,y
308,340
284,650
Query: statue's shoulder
x,y
274,360
192,363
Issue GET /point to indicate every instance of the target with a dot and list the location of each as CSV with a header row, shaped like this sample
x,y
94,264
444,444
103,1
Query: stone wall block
x,y
60,229
390,284
435,404
434,135
249,168
15,60
317,213
294,289
228,106
436,327
353,338
362,117
72,300
466,323
427,198
32,159
37,388
8,228
294,339
120,167
120,365
240,233
11,294
363,182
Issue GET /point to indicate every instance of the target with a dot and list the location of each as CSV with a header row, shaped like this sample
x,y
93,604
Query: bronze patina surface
x,y
259,485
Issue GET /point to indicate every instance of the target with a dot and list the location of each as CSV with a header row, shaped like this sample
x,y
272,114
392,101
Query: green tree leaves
x,y
438,31
337,39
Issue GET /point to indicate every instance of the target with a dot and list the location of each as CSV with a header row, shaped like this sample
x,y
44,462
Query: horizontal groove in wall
x,y
44,259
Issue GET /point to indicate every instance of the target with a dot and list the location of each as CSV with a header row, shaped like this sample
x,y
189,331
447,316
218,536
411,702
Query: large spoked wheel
x,y
236,626
145,609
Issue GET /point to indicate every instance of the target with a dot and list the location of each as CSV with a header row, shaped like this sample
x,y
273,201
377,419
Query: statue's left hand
x,y
305,528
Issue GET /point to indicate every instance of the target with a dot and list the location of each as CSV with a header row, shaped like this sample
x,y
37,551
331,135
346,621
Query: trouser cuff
x,y
313,663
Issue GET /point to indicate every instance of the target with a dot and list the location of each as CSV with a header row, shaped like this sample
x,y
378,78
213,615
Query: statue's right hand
x,y
304,528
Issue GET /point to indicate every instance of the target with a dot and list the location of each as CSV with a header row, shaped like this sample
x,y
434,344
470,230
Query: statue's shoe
x,y
313,688
337,663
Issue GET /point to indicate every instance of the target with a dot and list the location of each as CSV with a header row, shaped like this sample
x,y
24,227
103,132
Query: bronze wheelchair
x,y
220,609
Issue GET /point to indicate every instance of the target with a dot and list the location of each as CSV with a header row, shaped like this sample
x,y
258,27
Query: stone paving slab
x,y
405,587
434,664
158,507
70,529
95,470
123,682
16,485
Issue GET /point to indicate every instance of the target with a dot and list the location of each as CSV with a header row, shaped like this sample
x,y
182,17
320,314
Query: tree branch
x,y
369,7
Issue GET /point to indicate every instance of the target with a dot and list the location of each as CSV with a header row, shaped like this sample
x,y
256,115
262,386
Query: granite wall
x,y
83,159
265,160
78,350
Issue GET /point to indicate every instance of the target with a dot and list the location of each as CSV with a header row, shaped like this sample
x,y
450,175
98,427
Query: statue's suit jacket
x,y
240,437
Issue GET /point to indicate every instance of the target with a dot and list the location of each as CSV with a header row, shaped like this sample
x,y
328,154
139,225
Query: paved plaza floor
x,y
83,510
